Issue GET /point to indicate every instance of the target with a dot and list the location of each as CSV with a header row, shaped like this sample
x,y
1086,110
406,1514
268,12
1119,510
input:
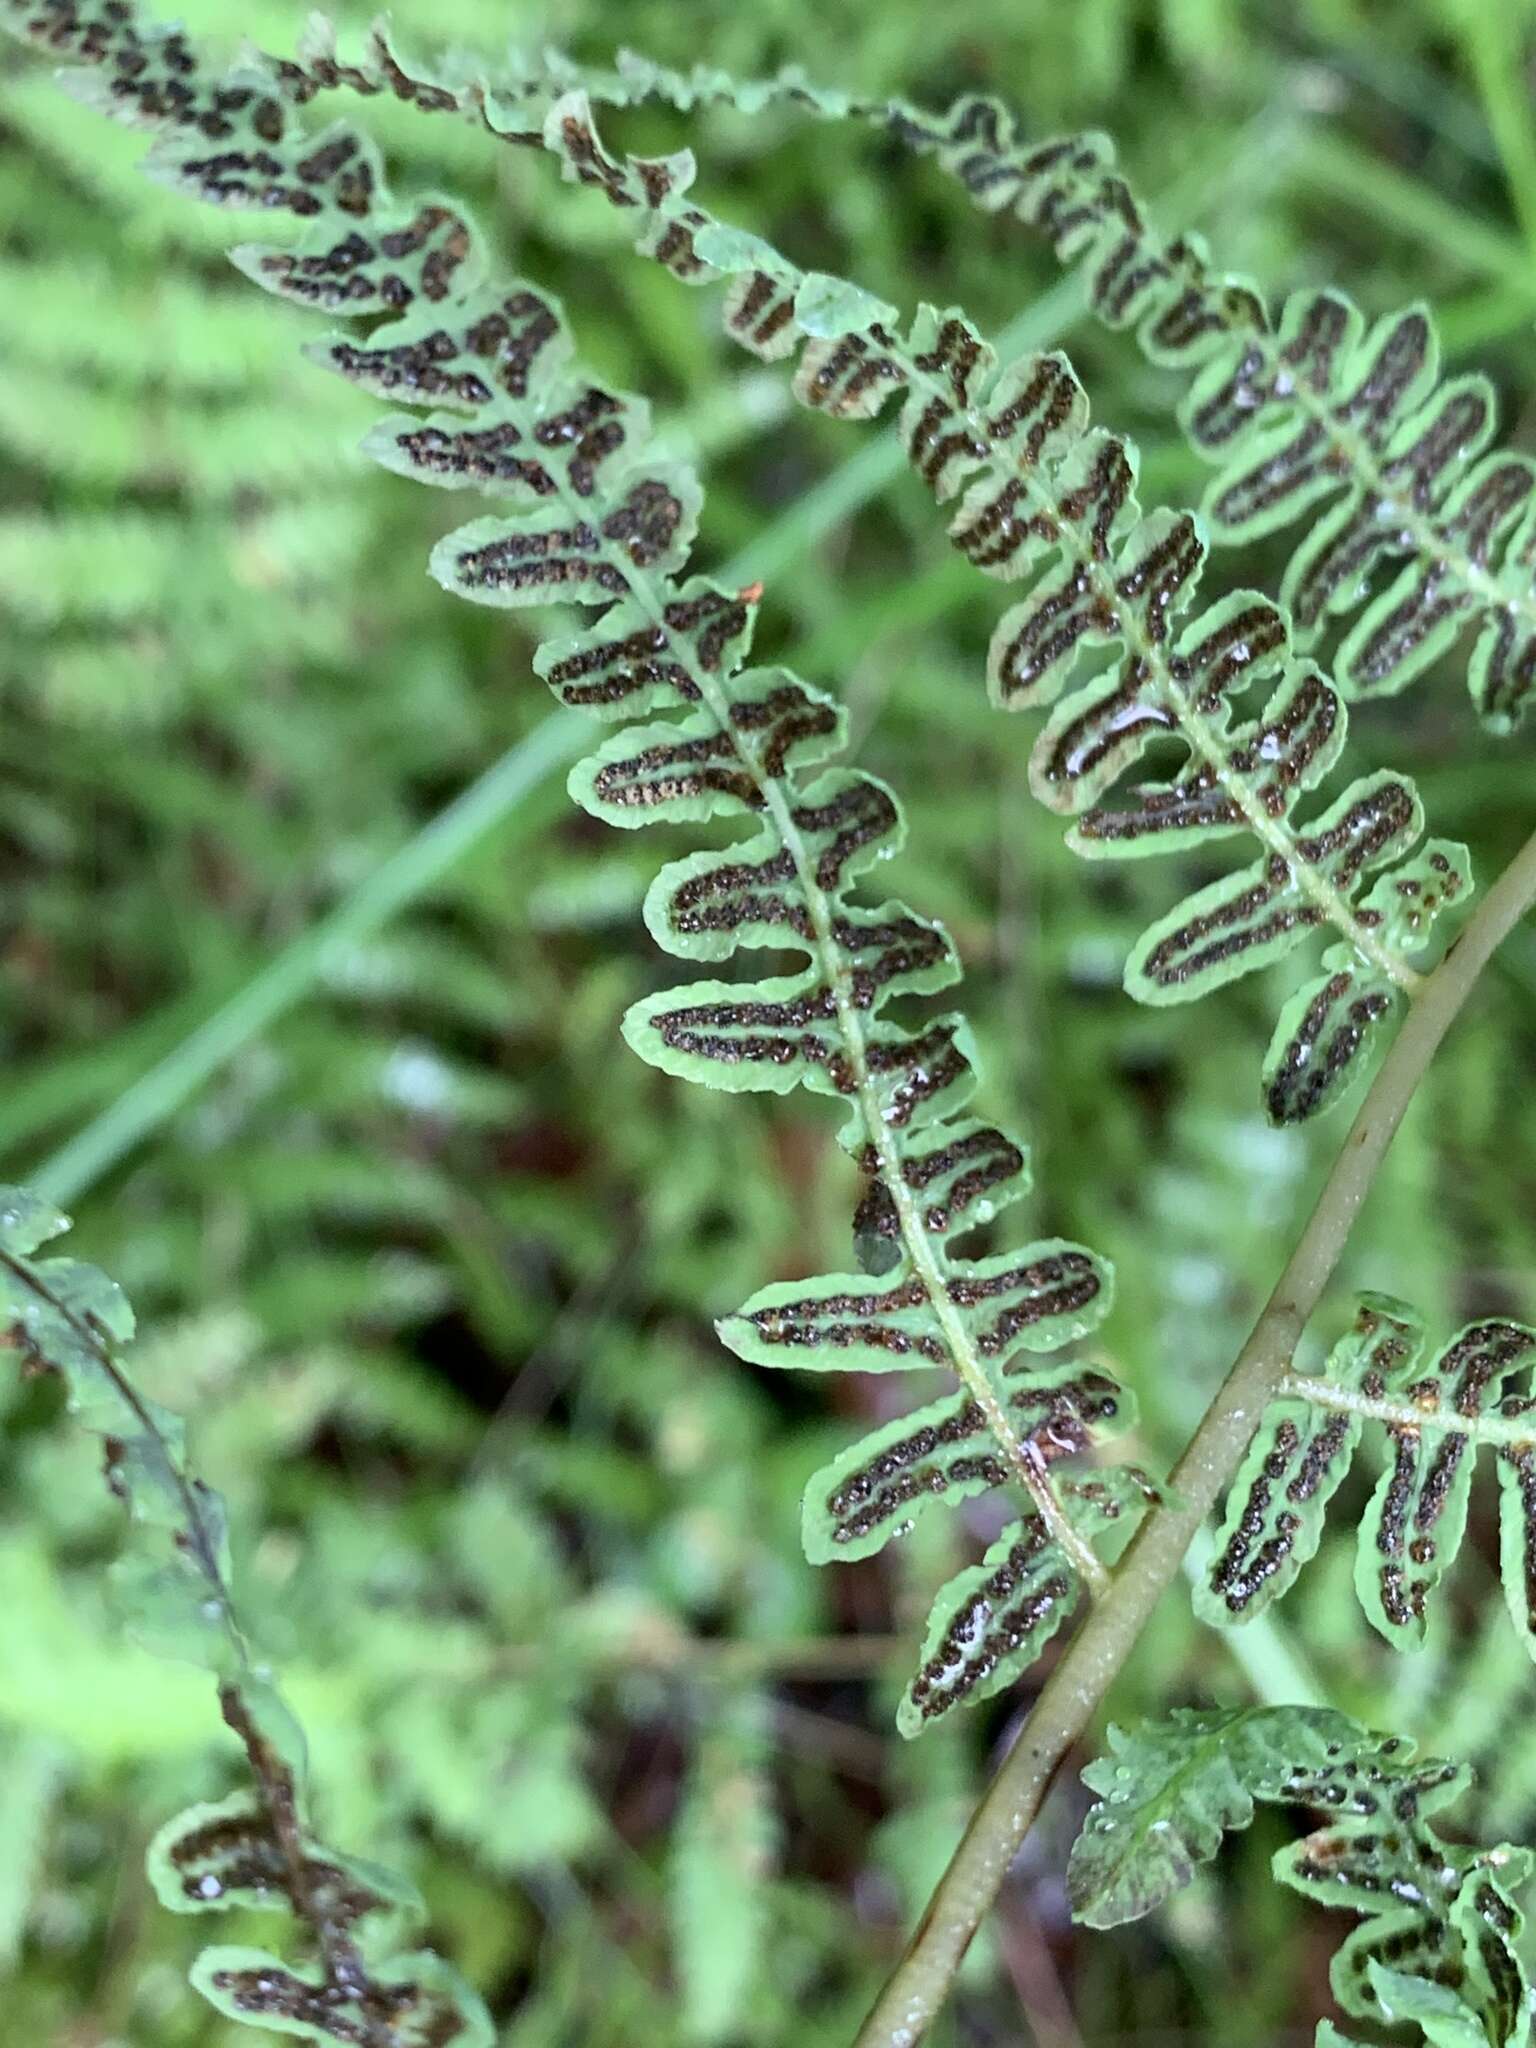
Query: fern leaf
x,y
1017,442
66,1318
1044,496
1437,1943
1302,409
943,1453
1296,409
1418,1513
597,519
1279,1498
237,1854
1240,778
991,1621
1435,1418
1324,1027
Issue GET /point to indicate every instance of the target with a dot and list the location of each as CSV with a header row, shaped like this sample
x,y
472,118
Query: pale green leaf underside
x,y
1438,1933
1048,499
942,1454
1435,1416
992,1620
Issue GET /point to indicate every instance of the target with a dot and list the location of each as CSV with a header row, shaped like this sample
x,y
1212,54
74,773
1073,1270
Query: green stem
x,y
1073,1692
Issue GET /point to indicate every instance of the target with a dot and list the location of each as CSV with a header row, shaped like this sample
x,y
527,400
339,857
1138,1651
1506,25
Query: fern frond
x,y
1306,411
1045,496
1436,1416
253,1849
606,526
598,519
1438,1943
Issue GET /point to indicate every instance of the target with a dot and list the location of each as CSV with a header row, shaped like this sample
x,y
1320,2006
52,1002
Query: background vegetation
x,y
432,1261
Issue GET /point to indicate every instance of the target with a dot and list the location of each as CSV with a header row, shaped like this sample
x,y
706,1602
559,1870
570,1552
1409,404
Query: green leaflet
x,y
1171,1789
1302,412
1279,1497
246,1852
1418,1512
1256,916
597,519
944,1453
1323,1027
1435,1418
991,1621
1034,1299
252,1849
1437,1943
1445,2019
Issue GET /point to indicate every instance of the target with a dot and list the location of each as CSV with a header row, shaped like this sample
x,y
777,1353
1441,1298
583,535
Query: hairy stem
x,y
1072,1694
1406,1414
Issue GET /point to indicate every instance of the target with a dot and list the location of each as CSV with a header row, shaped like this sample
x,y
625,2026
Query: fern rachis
x,y
1435,1420
1038,486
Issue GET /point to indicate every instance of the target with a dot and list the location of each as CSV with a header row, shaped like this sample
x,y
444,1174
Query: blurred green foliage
x,y
433,1261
